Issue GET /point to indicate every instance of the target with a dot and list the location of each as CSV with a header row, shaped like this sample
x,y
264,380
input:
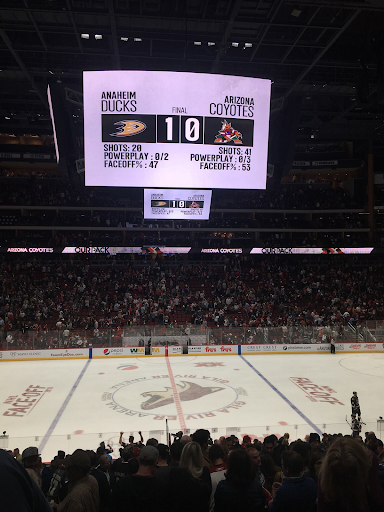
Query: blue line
x,y
307,420
62,408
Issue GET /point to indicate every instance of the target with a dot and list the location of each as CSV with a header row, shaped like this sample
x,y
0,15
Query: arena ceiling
x,y
329,52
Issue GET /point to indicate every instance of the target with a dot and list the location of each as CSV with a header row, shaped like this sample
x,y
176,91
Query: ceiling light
x,y
235,45
84,36
51,72
137,39
98,36
296,13
210,43
247,45
6,117
197,43
124,38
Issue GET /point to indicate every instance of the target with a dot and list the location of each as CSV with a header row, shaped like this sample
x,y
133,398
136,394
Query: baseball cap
x,y
78,458
32,451
149,453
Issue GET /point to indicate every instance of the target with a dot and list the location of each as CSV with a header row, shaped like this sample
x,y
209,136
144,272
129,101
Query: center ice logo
x,y
153,396
187,391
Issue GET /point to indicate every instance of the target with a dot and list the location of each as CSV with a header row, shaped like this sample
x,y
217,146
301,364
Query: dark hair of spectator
x,y
163,451
215,452
293,461
268,467
176,450
302,449
240,472
270,439
125,454
201,436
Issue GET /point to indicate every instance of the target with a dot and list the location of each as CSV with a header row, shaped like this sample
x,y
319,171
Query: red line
x,y
176,397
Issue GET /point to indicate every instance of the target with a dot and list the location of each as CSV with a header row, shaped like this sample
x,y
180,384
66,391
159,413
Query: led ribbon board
x,y
175,130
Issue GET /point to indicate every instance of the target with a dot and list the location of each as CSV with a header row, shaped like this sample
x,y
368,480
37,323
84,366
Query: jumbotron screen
x,y
175,130
177,204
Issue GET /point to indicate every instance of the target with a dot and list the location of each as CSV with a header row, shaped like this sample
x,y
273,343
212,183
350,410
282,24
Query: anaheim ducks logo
x,y
188,391
129,128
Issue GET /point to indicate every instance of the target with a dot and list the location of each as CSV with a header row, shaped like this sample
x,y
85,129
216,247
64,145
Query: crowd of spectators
x,y
195,474
61,192
64,294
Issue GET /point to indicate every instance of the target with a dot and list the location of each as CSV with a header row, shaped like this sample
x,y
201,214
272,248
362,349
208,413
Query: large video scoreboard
x,y
175,130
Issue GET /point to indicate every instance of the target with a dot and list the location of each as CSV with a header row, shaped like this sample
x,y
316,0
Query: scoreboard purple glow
x,y
178,130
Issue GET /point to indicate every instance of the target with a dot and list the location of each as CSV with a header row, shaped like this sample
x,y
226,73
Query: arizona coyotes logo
x,y
228,134
128,128
187,391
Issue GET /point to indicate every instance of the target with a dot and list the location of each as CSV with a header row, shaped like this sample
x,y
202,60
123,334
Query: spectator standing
x,y
30,459
17,455
163,455
18,492
122,466
190,482
297,493
175,452
104,489
216,456
202,437
240,490
349,479
272,447
217,469
83,489
57,491
105,466
141,492
271,473
256,461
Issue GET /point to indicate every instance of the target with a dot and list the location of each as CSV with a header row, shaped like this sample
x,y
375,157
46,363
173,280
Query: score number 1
x,y
174,129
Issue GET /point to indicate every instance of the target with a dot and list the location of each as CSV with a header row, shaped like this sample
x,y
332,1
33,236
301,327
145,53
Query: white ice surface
x,y
220,393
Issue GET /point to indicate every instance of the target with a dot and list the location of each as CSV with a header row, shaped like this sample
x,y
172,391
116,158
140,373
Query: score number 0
x,y
191,129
